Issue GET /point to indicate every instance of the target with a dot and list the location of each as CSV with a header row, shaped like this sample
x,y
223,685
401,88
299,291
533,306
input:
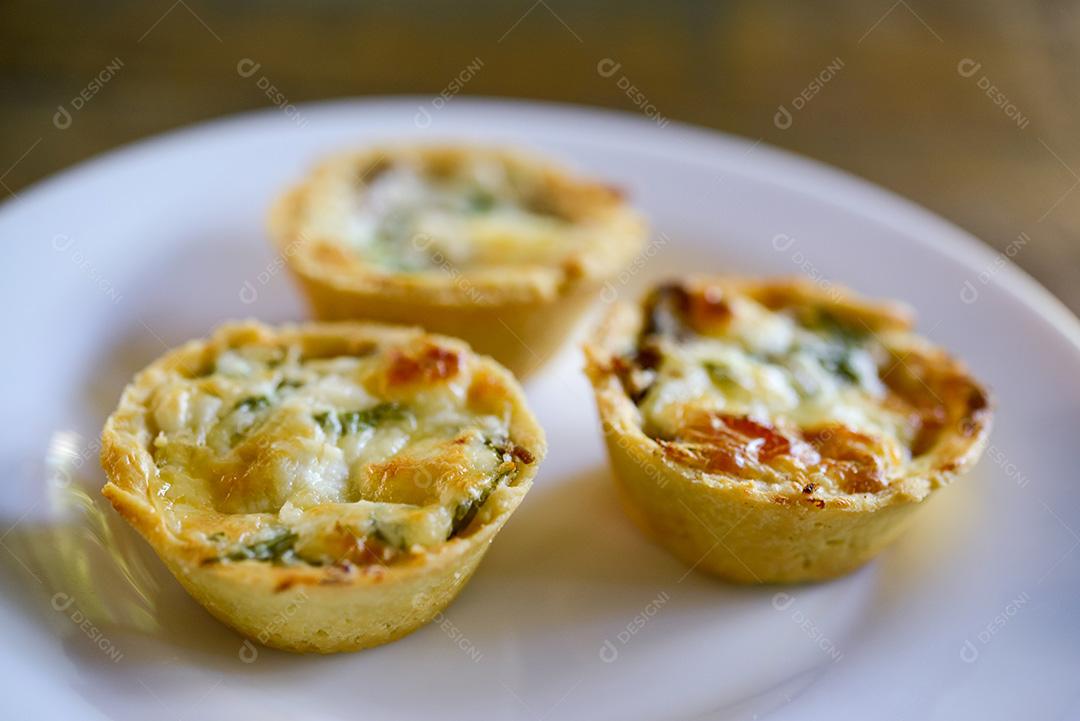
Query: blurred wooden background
x,y
969,108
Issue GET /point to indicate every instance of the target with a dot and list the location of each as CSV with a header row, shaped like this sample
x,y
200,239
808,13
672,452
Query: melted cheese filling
x,y
273,456
760,395
406,219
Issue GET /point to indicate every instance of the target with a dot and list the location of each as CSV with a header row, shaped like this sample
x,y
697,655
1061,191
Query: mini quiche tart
x,y
778,431
321,487
496,247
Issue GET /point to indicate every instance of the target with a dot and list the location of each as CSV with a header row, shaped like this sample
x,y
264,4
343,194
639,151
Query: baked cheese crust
x,y
788,396
495,246
415,209
307,455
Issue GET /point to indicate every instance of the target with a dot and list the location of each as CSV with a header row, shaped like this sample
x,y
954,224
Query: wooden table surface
x,y
968,108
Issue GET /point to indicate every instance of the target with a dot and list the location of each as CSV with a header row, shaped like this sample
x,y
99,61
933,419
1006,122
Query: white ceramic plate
x,y
573,615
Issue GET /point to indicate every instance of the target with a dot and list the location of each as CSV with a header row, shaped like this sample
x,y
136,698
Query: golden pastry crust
x,y
321,487
496,247
778,430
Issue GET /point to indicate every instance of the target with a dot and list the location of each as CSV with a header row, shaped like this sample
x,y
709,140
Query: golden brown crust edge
x,y
725,527
519,316
310,609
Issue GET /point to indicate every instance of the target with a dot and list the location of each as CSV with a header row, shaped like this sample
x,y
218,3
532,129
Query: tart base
x,y
519,314
740,538
313,612
319,618
325,607
750,531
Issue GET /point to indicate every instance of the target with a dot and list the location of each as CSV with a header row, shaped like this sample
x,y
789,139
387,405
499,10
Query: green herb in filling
x,y
842,338
353,421
278,548
345,422
389,534
466,510
722,377
253,403
328,421
481,201
828,323
838,360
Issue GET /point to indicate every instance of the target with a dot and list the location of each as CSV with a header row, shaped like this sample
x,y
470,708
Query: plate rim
x,y
818,180
837,186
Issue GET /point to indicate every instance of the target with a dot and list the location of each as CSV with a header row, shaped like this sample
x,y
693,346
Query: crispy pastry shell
x,y
744,533
520,315
301,607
